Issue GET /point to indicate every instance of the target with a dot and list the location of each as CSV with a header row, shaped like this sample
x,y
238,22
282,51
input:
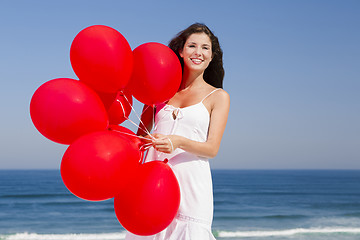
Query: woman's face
x,y
197,52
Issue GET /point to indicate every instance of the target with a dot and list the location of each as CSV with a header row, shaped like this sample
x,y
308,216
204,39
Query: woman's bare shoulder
x,y
221,95
218,99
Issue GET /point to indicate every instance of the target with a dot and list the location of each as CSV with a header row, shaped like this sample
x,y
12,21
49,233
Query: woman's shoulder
x,y
217,97
216,91
220,94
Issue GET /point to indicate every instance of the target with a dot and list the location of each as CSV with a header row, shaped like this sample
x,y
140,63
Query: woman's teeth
x,y
196,61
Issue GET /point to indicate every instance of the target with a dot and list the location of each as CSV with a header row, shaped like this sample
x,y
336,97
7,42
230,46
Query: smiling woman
x,y
214,73
188,130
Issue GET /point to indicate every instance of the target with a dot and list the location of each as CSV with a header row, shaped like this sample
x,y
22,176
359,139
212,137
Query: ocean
x,y
249,204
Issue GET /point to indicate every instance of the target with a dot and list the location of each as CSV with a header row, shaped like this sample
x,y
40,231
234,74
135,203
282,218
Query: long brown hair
x,y
214,73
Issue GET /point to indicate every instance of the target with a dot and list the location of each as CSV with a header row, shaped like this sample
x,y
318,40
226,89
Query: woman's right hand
x,y
146,139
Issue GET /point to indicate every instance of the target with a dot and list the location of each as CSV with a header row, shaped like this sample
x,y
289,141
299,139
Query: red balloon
x,y
64,109
98,165
126,133
130,135
150,203
156,75
118,106
102,58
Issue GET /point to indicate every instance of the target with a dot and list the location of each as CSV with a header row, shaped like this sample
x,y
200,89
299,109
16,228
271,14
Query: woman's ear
x,y
180,53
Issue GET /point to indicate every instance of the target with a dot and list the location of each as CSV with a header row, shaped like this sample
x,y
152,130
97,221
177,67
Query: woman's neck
x,y
191,79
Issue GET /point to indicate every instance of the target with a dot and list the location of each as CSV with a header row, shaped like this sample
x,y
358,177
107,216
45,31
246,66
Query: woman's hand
x,y
146,139
145,142
165,143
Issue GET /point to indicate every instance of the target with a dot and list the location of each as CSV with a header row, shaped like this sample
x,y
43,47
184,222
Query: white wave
x,y
81,236
288,232
223,234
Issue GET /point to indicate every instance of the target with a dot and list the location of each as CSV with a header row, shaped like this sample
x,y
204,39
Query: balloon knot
x,y
166,160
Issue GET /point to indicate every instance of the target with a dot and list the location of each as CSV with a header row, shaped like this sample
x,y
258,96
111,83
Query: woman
x,y
188,130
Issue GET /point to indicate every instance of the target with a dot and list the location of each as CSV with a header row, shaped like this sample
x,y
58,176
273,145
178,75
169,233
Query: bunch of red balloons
x,y
103,160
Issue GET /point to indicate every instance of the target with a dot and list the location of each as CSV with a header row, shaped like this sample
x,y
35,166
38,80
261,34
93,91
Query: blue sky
x,y
292,71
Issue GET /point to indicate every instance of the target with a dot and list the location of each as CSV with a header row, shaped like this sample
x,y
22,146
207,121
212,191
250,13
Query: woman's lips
x,y
196,60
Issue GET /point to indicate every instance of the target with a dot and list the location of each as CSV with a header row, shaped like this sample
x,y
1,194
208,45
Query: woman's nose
x,y
198,51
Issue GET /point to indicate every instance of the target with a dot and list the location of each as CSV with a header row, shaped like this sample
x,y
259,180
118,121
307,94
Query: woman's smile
x,y
196,60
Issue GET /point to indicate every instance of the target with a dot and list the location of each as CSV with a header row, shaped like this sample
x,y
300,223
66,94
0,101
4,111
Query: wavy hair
x,y
214,73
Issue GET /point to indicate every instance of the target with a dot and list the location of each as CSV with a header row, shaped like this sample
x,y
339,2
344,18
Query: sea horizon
x,y
225,169
254,204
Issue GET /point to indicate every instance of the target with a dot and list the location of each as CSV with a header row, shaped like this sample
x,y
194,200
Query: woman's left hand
x,y
165,143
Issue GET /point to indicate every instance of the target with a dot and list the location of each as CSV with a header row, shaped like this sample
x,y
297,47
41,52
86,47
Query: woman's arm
x,y
209,149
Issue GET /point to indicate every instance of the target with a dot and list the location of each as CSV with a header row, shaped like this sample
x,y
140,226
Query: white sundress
x,y
194,218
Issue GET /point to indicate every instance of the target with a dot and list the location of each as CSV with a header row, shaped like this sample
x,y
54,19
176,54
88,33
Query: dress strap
x,y
210,94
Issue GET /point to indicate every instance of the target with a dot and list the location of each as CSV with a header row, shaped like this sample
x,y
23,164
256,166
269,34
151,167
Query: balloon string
x,y
130,134
135,124
143,125
142,148
144,129
123,109
153,117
